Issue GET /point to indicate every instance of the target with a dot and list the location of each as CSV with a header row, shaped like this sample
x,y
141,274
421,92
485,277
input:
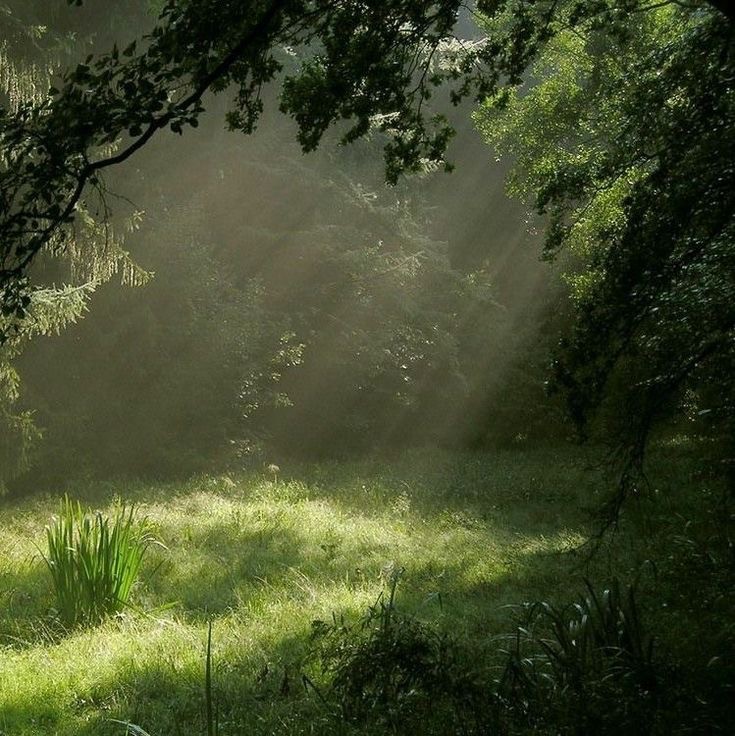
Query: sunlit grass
x,y
262,559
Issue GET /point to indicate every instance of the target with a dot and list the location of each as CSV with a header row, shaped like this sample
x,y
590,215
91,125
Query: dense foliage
x,y
365,65
55,149
623,137
380,338
38,40
298,338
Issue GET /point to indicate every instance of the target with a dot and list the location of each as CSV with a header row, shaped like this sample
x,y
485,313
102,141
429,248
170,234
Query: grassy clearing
x,y
264,558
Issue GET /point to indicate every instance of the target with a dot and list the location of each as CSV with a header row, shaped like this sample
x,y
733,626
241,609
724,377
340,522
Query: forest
x,y
367,367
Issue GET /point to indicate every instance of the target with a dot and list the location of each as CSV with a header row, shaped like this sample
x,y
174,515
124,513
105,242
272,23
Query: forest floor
x,y
263,556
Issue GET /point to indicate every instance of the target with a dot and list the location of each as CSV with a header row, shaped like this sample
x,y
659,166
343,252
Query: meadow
x,y
263,554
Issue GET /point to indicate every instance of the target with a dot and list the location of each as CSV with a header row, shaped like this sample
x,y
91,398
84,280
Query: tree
x,y
385,321
362,64
624,139
301,335
373,65
367,59
31,53
369,64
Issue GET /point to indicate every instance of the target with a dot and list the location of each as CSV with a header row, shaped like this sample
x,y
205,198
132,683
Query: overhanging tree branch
x,y
360,71
219,71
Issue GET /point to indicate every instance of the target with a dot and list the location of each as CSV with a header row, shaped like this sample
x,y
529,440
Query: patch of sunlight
x,y
262,559
564,540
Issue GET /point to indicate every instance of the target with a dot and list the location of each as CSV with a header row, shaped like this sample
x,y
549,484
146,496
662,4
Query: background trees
x,y
638,191
386,299
39,39
373,66
267,327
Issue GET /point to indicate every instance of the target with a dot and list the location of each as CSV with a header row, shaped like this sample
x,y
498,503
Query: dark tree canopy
x,y
625,138
371,64
366,63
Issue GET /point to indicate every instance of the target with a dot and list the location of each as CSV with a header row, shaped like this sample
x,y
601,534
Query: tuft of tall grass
x,y
601,635
94,560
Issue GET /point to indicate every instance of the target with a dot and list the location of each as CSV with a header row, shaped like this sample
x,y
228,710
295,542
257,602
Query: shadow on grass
x,y
217,567
433,482
543,487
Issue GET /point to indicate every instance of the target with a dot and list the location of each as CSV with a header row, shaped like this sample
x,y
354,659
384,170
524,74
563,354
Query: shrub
x,y
583,668
94,560
390,671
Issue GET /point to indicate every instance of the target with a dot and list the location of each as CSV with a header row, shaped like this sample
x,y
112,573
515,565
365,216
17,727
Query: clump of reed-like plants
x,y
587,667
94,560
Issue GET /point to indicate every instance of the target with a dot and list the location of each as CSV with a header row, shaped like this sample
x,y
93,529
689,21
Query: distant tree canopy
x,y
367,60
269,330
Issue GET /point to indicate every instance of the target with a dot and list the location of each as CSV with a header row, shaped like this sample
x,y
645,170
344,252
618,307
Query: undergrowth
x,y
395,672
262,557
586,667
94,560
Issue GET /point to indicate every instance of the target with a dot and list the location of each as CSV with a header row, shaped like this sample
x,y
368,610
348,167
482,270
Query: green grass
x,y
262,559
94,560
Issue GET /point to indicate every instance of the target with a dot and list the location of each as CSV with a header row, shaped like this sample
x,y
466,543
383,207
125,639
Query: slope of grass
x,y
263,557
